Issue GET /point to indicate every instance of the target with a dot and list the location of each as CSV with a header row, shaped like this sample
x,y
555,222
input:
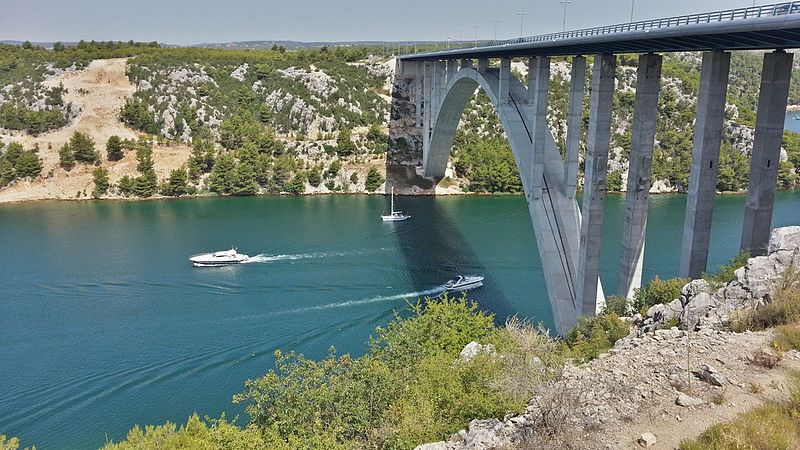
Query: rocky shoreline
x,y
659,385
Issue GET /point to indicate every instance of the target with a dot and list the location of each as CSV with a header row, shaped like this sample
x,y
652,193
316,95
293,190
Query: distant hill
x,y
257,45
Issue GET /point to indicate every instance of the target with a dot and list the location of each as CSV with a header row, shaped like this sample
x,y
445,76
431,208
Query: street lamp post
x,y
564,24
495,21
521,15
460,37
633,4
476,34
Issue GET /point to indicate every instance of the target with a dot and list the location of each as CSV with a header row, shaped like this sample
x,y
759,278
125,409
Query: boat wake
x,y
265,258
364,301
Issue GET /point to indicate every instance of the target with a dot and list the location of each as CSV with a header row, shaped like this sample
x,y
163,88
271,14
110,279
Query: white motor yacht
x,y
463,283
395,216
221,258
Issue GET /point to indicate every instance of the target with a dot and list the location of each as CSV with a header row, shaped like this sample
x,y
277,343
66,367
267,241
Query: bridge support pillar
x,y
574,121
505,79
705,163
594,190
538,89
765,161
452,68
427,105
466,63
439,88
645,112
483,64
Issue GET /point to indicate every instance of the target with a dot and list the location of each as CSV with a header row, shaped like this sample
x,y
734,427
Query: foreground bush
x,y
594,335
410,387
657,291
773,426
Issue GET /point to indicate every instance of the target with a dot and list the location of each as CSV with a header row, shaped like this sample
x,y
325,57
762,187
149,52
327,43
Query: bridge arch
x,y
555,217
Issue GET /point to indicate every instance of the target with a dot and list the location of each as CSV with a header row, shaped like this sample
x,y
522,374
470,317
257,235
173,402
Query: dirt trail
x,y
100,91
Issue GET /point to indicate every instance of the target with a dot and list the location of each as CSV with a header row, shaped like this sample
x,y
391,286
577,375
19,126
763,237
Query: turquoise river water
x,y
104,324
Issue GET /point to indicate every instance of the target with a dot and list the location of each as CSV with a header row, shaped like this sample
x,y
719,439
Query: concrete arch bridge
x,y
432,89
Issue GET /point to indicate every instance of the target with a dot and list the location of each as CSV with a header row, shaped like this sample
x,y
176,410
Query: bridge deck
x,y
760,28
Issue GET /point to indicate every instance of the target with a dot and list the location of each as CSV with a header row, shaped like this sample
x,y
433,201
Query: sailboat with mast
x,y
395,216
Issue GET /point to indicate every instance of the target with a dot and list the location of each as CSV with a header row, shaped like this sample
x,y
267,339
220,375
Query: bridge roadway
x,y
431,90
766,27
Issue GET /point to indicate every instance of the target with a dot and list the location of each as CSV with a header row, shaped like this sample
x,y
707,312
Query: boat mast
x,y
392,197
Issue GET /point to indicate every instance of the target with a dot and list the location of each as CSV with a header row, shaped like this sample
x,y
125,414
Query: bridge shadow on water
x,y
435,250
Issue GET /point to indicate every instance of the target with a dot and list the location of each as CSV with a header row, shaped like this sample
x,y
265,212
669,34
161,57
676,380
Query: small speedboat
x,y
463,283
221,258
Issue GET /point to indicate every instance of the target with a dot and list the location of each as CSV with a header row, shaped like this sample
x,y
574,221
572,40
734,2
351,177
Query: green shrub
x,y
657,291
594,335
10,443
725,273
618,305
409,388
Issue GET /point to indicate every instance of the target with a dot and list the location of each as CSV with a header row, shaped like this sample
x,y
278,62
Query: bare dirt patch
x,y
100,91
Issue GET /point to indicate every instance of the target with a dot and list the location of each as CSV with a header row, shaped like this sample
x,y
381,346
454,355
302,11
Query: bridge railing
x,y
778,9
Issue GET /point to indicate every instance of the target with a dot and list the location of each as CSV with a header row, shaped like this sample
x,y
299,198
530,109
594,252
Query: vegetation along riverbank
x,y
135,120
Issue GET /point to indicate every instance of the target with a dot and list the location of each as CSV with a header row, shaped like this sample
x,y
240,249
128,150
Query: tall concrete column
x,y
594,190
417,69
427,104
505,75
483,64
439,88
538,87
452,68
640,170
466,63
574,121
765,161
705,163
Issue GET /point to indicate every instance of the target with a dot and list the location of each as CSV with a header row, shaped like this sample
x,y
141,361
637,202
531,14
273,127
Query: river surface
x,y
104,324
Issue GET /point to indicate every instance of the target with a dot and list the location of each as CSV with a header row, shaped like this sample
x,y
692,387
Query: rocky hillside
x,y
315,121
661,384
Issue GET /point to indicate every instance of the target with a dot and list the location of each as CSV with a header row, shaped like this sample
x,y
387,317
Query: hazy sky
x,y
195,21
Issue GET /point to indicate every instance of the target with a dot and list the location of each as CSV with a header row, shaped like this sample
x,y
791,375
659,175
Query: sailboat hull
x,y
395,218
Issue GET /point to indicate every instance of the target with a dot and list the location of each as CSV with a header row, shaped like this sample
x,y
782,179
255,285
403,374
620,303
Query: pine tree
x,y
374,179
114,150
101,183
83,148
66,158
28,165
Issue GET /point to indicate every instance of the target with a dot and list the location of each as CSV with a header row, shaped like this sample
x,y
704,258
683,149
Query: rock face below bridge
x,y
404,155
669,383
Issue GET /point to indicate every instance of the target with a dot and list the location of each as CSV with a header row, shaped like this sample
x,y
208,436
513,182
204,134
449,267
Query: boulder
x,y
687,401
696,309
647,440
484,434
711,375
473,349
